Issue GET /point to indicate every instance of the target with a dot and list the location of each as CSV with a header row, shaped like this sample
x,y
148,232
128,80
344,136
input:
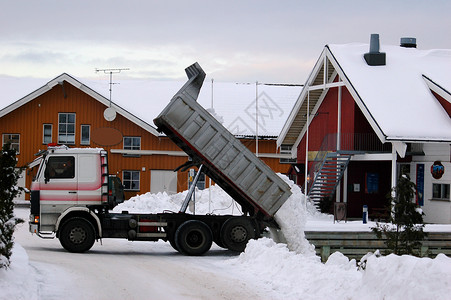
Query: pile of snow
x,y
208,201
297,276
18,282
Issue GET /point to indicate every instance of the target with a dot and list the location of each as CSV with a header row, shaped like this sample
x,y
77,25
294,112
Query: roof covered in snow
x,y
396,98
397,94
234,104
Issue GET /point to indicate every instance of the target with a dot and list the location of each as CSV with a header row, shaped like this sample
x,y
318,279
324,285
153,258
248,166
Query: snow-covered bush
x,y
8,190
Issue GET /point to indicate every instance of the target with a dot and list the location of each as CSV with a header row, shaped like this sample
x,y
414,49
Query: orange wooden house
x,y
66,111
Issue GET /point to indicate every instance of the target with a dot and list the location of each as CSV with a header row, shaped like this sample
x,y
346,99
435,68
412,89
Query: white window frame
x,y
201,183
81,134
127,183
132,147
43,133
286,149
442,191
13,145
66,132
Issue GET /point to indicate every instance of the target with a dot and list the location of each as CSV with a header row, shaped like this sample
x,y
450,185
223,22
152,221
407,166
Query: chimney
x,y
408,42
374,57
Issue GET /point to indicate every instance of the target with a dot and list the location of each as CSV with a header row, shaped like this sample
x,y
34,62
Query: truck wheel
x,y
172,242
193,238
236,232
77,235
219,242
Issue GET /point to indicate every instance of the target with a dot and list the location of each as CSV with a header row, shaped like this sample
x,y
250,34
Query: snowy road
x,y
120,269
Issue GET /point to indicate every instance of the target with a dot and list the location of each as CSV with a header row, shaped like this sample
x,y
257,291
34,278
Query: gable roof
x,y
78,84
395,98
141,100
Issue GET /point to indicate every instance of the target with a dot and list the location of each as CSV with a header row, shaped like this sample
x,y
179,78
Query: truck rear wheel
x,y
193,238
236,232
77,235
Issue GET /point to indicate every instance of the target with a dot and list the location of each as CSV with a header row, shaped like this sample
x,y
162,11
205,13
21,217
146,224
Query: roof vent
x,y
374,57
408,42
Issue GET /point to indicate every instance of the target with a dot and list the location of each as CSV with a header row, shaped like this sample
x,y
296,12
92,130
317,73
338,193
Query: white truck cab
x,y
67,179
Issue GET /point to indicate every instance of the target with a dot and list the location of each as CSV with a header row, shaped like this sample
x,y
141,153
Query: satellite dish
x,y
109,114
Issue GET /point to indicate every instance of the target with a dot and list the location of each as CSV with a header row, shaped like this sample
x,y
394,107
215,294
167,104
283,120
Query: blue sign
x,y
372,183
420,184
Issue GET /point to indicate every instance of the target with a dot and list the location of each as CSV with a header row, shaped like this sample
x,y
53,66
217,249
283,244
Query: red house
x,y
368,114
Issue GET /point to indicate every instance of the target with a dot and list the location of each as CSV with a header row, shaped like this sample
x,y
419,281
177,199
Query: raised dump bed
x,y
247,179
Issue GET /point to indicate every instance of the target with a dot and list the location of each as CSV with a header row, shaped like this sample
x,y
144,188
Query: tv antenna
x,y
110,113
111,72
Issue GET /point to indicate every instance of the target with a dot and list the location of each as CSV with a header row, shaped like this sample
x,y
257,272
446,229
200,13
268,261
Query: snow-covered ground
x,y
266,270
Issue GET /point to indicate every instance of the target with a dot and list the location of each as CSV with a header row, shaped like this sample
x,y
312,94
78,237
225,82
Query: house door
x,y
163,181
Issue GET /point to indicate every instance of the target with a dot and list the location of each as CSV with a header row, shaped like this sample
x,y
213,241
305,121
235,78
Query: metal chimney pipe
x,y
374,57
408,42
374,43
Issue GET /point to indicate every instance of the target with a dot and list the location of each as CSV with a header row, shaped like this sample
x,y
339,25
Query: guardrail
x,y
354,245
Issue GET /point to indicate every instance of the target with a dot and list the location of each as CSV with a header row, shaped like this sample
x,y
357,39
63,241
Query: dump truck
x,y
70,200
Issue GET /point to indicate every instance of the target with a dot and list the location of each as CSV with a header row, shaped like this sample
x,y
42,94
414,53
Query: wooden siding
x,y
352,122
28,119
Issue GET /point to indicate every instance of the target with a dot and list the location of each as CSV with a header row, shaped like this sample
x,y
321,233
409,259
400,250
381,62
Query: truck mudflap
x,y
247,179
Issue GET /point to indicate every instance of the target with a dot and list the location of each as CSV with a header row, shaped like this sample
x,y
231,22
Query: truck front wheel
x,y
77,235
193,237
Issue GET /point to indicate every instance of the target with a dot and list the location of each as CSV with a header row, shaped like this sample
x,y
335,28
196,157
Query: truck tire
x,y
193,237
173,244
236,232
77,235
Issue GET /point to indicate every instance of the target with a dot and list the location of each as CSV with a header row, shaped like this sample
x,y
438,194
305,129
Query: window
x,y
132,143
440,191
66,128
47,133
85,134
200,183
13,139
60,167
404,169
286,149
130,180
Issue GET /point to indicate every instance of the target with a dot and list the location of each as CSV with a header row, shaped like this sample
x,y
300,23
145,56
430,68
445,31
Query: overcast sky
x,y
241,41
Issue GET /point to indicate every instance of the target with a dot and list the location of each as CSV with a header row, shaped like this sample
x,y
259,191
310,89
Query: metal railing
x,y
349,143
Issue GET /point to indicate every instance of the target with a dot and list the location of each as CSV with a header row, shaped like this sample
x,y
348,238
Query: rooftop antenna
x,y
110,113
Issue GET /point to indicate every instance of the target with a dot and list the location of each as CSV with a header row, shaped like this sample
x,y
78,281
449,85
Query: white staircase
x,y
328,175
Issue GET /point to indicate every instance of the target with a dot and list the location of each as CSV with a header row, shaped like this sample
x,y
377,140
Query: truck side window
x,y
60,167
